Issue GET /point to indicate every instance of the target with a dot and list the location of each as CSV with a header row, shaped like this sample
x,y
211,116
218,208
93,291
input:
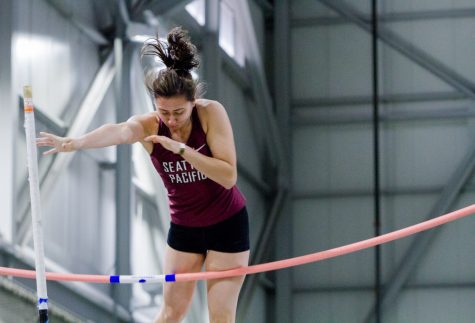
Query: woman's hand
x,y
59,144
167,143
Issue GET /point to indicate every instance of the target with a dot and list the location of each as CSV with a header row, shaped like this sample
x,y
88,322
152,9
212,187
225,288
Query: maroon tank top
x,y
195,200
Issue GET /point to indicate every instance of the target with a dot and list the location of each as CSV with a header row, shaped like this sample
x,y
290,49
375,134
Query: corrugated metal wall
x,y
420,151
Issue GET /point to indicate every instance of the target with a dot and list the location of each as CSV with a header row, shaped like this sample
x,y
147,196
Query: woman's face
x,y
174,111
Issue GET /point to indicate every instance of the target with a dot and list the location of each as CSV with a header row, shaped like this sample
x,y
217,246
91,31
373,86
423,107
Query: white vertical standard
x,y
32,157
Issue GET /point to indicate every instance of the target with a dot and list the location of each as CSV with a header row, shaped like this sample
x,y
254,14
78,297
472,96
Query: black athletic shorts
x,y
230,235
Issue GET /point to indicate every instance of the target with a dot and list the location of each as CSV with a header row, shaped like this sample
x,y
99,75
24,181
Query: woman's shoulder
x,y
211,113
149,122
207,108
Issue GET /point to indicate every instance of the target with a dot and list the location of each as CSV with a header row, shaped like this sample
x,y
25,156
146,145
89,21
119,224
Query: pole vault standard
x,y
32,157
275,265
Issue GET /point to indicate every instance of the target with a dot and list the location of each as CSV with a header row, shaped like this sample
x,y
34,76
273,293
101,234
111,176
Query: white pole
x,y
32,157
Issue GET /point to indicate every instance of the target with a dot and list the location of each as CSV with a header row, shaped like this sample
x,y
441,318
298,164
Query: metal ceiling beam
x,y
8,122
257,77
260,251
427,14
164,7
275,143
387,17
385,98
211,57
66,12
422,241
313,117
405,48
241,78
388,192
138,5
236,72
368,288
123,53
159,7
282,222
266,7
195,30
56,125
345,193
87,109
252,179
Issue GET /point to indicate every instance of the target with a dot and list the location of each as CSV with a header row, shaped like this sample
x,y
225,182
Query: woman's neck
x,y
183,133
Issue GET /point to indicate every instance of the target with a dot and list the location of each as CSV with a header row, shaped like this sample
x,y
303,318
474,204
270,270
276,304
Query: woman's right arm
x,y
127,132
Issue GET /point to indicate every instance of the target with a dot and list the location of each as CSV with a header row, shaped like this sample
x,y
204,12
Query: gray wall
x,y
333,162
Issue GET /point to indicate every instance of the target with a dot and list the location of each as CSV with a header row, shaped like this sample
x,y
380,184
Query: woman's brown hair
x,y
179,56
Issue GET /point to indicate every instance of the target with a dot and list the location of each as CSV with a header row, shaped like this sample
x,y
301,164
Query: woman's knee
x,y
222,306
176,301
221,314
171,313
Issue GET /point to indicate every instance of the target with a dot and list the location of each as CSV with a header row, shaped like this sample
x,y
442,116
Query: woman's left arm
x,y
220,168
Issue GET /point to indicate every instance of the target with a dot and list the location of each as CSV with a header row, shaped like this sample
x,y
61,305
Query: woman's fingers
x,y
46,139
50,152
40,142
59,144
153,138
47,135
166,142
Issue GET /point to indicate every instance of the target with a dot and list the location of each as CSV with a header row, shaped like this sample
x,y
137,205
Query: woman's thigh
x,y
180,293
224,293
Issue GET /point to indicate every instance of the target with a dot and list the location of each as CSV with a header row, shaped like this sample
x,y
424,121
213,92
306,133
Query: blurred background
x,y
351,119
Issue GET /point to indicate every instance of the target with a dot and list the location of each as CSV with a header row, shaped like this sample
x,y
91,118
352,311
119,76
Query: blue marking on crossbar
x,y
170,278
115,279
42,300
